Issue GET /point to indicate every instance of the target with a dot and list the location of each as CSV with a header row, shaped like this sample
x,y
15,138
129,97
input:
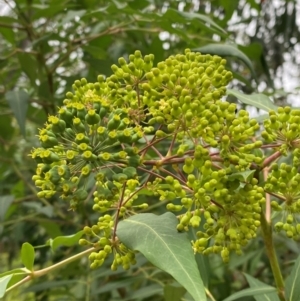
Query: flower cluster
x,y
283,182
166,131
283,128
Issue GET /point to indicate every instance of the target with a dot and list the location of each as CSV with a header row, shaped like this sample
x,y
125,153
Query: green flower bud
x,y
92,117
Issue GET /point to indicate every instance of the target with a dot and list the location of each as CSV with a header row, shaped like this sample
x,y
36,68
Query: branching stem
x,y
118,211
271,159
267,235
45,271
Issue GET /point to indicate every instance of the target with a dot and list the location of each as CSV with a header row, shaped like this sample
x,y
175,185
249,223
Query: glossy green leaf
x,y
3,284
27,255
260,101
68,241
292,284
255,283
253,291
5,202
158,240
18,102
227,50
173,293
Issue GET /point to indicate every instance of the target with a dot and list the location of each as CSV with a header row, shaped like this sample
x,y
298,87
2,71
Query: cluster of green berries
x,y
166,130
283,182
227,209
87,135
283,128
100,237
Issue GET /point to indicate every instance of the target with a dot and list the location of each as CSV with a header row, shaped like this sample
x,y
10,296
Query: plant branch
x,y
271,159
40,273
266,229
12,26
268,198
209,294
118,211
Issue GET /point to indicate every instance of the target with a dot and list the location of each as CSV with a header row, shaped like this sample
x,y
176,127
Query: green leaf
x,y
253,50
261,118
173,293
254,283
43,286
9,278
71,14
114,285
202,18
52,228
175,16
27,255
6,128
242,176
144,292
21,271
5,202
158,240
3,284
253,291
292,284
29,66
229,7
237,260
69,240
227,50
18,102
8,34
260,101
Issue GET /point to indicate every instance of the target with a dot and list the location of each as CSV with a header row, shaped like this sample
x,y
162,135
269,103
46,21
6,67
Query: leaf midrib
x,y
145,225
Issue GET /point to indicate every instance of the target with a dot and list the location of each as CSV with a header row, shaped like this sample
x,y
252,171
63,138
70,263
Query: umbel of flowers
x,y
164,130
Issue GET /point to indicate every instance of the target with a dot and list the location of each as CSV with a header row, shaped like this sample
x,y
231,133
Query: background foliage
x,y
46,45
